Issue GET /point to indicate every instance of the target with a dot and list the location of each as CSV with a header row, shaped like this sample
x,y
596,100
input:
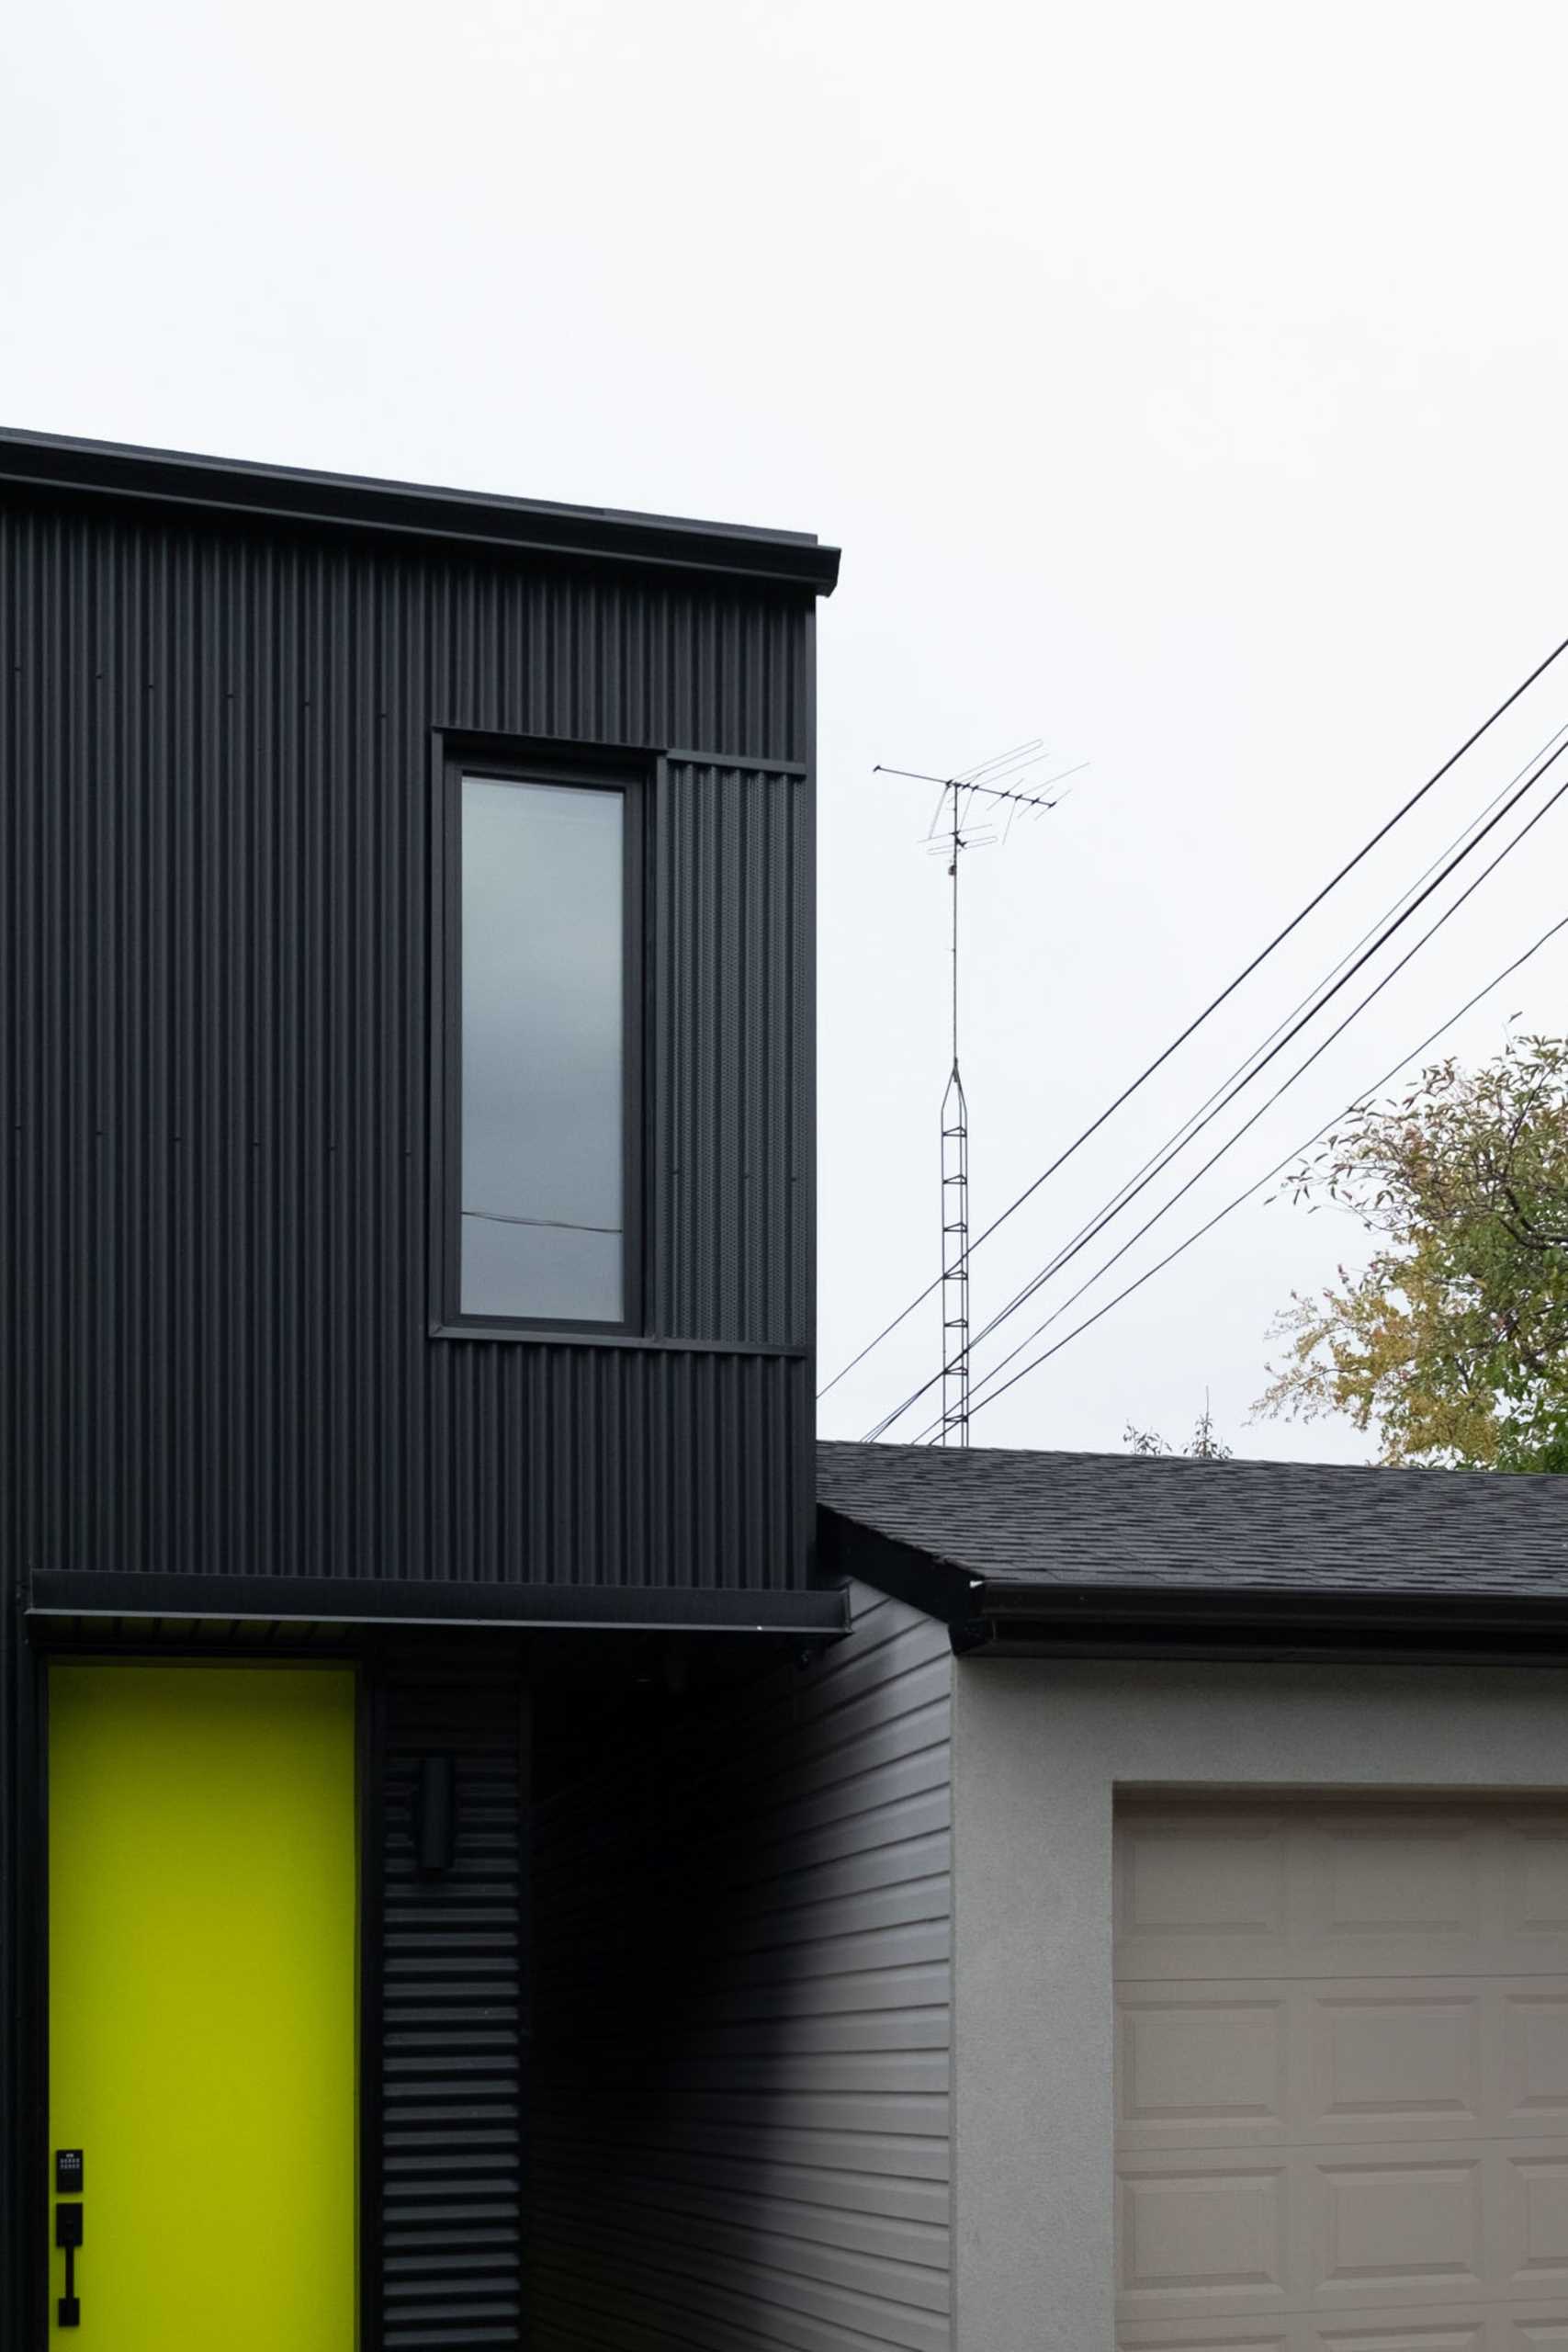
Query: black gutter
x,y
1020,1619
176,482
92,1592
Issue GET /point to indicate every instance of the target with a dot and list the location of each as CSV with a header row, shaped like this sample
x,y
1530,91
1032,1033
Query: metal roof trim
x,y
66,1592
183,480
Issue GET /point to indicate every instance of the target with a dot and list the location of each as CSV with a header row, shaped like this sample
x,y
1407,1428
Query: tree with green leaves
x,y
1452,1340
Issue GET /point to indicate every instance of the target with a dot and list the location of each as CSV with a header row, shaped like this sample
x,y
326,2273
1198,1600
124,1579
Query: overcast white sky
x,y
1186,384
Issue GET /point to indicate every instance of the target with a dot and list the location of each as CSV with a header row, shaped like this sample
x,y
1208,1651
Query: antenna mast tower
x,y
950,834
956,1198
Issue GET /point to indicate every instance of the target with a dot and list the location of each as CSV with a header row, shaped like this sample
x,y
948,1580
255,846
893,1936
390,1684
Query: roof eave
x,y
175,481
996,1617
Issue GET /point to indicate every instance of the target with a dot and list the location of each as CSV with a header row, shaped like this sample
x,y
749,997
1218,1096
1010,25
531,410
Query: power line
x,y
1278,1169
1129,1194
1310,1005
1176,1043
1247,1124
1180,1135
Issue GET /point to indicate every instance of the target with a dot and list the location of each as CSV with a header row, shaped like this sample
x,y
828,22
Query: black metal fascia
x,y
90,1593
940,1589
179,481
1030,1619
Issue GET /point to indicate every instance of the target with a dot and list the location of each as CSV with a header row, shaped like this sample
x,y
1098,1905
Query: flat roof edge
x,y
181,480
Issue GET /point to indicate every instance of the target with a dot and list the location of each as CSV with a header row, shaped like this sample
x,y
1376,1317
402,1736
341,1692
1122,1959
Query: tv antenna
x,y
997,782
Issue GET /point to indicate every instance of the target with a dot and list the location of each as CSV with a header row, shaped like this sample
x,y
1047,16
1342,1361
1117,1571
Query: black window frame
x,y
508,761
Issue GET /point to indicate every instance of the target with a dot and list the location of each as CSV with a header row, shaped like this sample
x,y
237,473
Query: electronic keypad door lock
x,y
68,2233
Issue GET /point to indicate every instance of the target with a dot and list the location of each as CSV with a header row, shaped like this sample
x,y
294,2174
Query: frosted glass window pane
x,y
543,1140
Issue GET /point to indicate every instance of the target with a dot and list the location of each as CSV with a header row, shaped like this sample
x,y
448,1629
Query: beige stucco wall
x,y
1039,1753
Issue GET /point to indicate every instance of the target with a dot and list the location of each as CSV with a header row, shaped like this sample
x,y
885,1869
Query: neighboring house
x,y
1260,1892
487,1858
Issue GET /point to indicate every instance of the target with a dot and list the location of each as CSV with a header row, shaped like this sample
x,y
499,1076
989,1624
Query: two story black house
x,y
407,1425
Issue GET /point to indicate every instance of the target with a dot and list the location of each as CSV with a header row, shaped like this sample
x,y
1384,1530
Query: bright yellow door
x,y
202,1916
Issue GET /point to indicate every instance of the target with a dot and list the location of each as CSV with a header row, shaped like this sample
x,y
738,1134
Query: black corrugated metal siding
x,y
732,942
448,2026
216,754
742,2006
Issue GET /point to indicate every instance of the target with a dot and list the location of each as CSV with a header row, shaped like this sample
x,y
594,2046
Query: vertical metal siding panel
x,y
665,1047
405,703
13,1504
734,1109
43,749
20,1336
741,2125
216,779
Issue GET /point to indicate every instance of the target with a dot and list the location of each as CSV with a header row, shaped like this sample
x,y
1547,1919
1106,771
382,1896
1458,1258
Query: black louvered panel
x,y
453,2027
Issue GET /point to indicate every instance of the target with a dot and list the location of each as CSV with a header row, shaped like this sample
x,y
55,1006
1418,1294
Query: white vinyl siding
x,y
742,2023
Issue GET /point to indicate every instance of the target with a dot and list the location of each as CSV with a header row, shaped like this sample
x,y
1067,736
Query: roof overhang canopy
x,y
807,1617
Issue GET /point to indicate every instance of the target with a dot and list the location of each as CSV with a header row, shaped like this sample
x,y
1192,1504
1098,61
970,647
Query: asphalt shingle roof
x,y
1172,1523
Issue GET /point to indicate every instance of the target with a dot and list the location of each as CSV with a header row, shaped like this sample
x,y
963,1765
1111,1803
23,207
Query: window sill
x,y
564,1336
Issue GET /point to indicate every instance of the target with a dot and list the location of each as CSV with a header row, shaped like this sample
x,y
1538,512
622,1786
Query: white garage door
x,y
1342,2078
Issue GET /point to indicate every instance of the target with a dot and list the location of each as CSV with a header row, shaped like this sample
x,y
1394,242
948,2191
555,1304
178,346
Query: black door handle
x,y
68,2233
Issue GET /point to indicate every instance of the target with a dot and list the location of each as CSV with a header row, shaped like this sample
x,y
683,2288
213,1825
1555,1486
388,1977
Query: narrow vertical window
x,y
542,1118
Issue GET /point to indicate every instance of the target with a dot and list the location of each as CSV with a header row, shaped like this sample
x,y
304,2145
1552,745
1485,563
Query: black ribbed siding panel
x,y
734,1042
450,2003
742,2008
214,1055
